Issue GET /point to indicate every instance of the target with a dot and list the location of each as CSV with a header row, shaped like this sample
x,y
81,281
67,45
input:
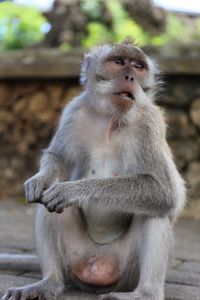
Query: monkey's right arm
x,y
53,168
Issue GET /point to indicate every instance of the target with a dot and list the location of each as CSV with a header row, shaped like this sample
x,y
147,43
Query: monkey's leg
x,y
153,251
52,283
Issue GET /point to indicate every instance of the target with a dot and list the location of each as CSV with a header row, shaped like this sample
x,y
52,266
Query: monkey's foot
x,y
42,290
116,296
130,296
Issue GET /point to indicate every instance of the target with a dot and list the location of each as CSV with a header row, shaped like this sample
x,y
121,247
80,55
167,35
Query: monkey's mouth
x,y
125,96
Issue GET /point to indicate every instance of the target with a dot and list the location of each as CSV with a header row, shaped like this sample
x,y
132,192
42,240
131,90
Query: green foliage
x,y
197,32
96,32
65,47
174,30
177,31
122,25
20,26
92,8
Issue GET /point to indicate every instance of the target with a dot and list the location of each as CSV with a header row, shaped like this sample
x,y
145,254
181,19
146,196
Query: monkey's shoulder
x,y
151,122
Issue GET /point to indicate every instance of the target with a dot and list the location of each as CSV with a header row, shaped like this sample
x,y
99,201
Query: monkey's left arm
x,y
151,193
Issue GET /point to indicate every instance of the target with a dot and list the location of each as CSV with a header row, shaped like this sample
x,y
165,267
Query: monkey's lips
x,y
127,96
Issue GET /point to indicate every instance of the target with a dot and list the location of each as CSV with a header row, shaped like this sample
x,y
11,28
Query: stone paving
x,y
16,237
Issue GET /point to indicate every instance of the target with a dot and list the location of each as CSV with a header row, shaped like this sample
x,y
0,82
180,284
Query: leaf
x,y
20,25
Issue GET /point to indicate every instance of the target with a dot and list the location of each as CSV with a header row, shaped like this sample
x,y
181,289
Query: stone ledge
x,y
40,63
52,63
177,59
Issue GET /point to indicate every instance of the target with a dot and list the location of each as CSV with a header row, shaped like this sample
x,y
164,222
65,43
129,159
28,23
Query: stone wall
x,y
29,114
181,101
30,109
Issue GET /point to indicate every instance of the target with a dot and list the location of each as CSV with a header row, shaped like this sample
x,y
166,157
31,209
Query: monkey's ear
x,y
84,69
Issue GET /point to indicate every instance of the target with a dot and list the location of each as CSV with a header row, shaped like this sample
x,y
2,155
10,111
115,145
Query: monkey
x,y
107,188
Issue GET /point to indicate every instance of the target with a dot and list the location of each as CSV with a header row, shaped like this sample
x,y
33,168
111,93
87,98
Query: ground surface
x,y
16,236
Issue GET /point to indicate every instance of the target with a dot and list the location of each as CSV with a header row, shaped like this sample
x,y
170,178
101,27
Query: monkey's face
x,y
118,76
126,71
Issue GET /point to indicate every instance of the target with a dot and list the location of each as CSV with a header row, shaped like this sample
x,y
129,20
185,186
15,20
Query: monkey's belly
x,y
105,225
94,270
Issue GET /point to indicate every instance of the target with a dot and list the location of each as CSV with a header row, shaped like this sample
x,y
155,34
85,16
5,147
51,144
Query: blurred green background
x,y
105,21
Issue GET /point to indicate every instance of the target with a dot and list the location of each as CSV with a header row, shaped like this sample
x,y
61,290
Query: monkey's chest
x,y
103,163
104,223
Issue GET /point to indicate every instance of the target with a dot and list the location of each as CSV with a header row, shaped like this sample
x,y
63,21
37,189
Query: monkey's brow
x,y
135,57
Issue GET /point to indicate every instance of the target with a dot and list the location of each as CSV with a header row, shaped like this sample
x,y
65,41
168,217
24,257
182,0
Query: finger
x,y
26,190
52,204
50,209
59,210
30,190
58,204
49,195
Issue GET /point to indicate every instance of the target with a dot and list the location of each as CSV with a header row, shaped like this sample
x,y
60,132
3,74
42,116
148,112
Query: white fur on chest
x,y
103,163
96,137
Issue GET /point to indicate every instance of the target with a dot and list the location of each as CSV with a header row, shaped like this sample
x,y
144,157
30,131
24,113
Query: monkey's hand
x,y
36,185
58,197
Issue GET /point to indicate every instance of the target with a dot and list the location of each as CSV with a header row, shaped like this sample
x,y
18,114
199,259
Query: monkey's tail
x,y
22,262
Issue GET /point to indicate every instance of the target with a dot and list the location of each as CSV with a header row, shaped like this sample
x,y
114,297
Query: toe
x,y
7,294
12,294
109,297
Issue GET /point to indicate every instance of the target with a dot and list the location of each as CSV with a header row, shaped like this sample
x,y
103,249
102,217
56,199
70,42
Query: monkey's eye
x,y
138,65
119,61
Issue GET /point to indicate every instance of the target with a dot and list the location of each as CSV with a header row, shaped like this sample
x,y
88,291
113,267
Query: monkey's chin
x,y
123,101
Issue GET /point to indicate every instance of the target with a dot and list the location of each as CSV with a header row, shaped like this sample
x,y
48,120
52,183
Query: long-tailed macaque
x,y
107,186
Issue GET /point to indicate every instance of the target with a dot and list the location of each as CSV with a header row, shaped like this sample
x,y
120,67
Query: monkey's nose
x,y
129,78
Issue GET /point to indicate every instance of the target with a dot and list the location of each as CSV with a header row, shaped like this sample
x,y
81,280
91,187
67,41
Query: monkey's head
x,y
118,77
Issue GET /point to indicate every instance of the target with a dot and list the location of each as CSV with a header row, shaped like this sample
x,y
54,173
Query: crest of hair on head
x,y
129,41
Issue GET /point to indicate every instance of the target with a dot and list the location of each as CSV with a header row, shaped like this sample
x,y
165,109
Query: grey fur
x,y
127,214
